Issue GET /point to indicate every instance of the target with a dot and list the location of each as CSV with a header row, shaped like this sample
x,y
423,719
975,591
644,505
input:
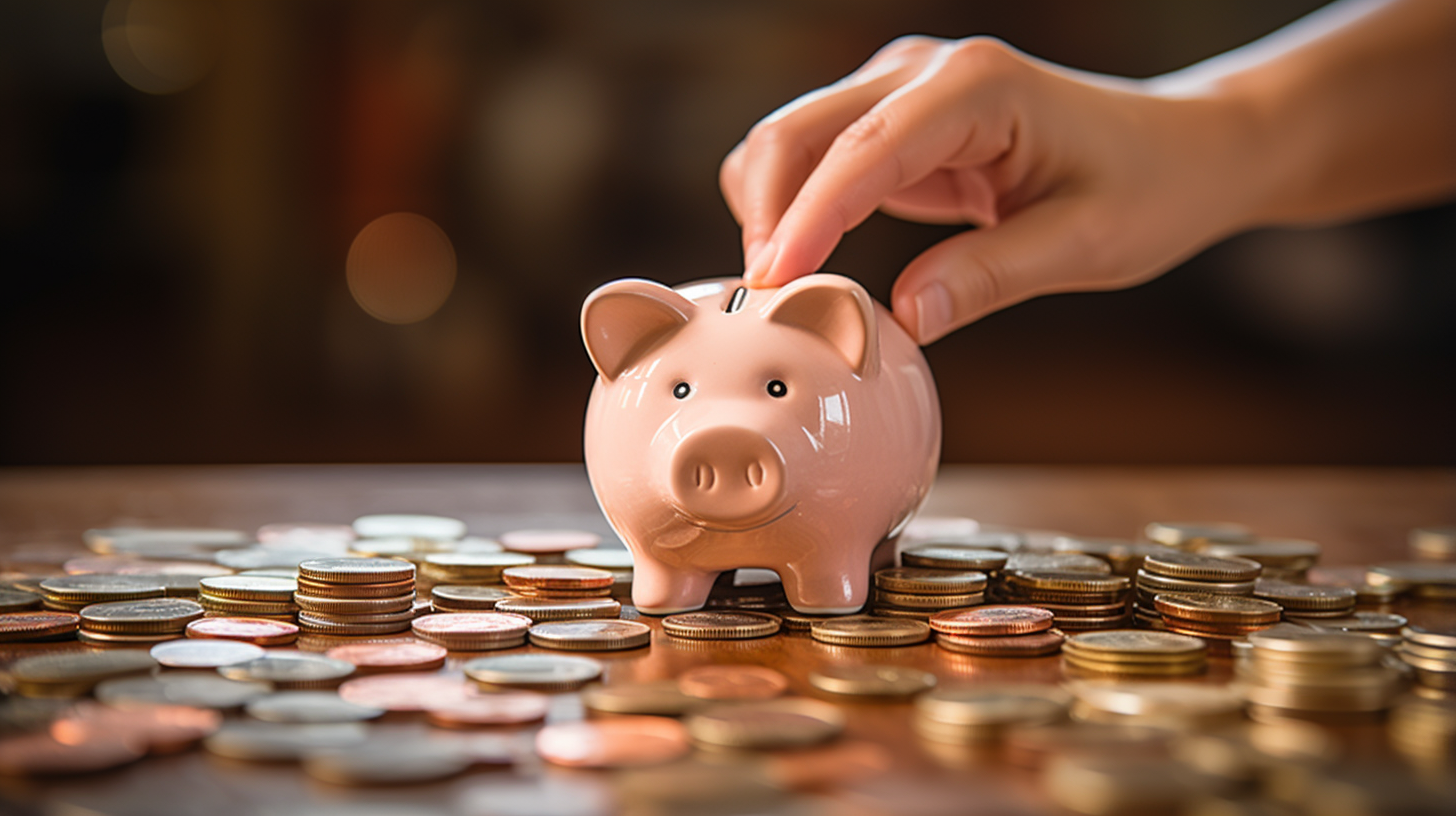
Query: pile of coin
x,y
70,593
1081,601
1178,571
1133,652
137,623
1215,618
997,631
1296,669
1304,601
983,713
478,569
957,557
1432,655
921,591
1285,559
249,596
355,596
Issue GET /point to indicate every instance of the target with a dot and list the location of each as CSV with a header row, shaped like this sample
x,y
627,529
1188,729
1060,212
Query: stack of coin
x,y
355,596
1178,571
70,593
1301,601
956,557
1215,618
1434,543
922,591
982,713
617,561
467,598
997,631
562,583
1285,559
249,596
1134,652
1292,669
137,623
478,569
473,631
1432,654
1081,601
866,631
1430,580
1193,534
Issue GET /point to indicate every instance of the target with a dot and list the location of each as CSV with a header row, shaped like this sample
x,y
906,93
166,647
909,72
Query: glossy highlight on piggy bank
x,y
793,429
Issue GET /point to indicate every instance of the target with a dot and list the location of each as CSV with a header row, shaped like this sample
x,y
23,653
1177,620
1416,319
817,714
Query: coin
x,y
556,577
80,590
414,691
906,600
1162,583
250,630
108,539
542,610
290,670
410,763
1429,637
786,723
591,635
353,606
652,697
930,581
1161,703
1301,597
468,598
954,558
720,625
872,681
1134,645
204,654
1079,582
472,631
41,754
281,742
868,631
356,570
1057,562
513,708
379,589
1214,608
549,541
162,729
226,607
188,688
250,588
624,741
731,682
143,616
1195,567
17,600
607,558
408,526
309,707
1281,553
967,714
992,620
377,657
72,673
1180,533
1032,645
15,626
535,672
1436,543
486,566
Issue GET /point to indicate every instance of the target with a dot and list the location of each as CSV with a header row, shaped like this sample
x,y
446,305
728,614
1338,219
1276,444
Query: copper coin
x,y
992,620
37,625
406,692
514,708
619,742
471,626
557,577
260,631
722,625
191,653
549,541
732,682
162,729
1037,643
40,754
390,656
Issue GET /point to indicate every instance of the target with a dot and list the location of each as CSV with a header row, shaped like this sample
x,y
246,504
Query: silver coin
x,y
100,585
396,763
189,688
309,707
289,668
204,653
281,742
528,670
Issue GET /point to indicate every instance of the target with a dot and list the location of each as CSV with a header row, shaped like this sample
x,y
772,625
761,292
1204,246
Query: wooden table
x,y
1359,515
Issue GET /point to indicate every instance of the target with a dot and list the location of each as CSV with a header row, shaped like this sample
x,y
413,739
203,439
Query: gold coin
x,y
354,606
906,600
872,681
1304,597
721,625
385,589
1429,637
930,581
1182,533
1195,567
1098,667
591,635
249,588
787,723
861,630
469,598
1162,583
1076,582
247,608
1214,608
662,697
878,611
356,570
542,610
557,578
100,587
1134,645
150,615
946,556
973,712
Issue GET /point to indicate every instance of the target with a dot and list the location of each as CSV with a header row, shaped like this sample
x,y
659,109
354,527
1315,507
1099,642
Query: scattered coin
x,y
591,635
408,526
152,615
535,672
17,600
290,670
992,620
260,631
282,742
380,657
204,654
732,682
624,741
186,688
473,631
1196,567
1167,704
72,592
965,714
16,626
512,708
408,763
41,754
661,697
309,707
867,631
74,673
1304,600
872,681
415,691
785,723
162,729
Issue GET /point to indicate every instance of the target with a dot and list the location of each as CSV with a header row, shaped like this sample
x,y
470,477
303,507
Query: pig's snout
x,y
727,476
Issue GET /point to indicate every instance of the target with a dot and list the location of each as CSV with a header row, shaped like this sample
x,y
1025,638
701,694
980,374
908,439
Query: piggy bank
x,y
793,429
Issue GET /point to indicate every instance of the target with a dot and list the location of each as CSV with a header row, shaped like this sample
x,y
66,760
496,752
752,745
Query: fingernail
x,y
752,252
933,312
762,263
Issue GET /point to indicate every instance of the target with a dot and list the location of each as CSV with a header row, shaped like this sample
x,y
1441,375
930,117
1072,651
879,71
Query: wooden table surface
x,y
1359,515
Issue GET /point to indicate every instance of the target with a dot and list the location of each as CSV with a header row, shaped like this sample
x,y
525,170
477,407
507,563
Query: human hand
x,y
1076,181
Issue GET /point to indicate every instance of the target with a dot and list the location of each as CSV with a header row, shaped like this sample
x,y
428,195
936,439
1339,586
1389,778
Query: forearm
x,y
1353,110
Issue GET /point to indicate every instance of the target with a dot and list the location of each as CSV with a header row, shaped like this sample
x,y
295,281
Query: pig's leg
x,y
661,590
825,588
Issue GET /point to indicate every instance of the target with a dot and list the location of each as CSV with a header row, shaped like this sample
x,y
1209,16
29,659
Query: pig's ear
x,y
621,320
836,309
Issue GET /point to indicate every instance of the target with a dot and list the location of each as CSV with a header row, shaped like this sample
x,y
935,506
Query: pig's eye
x,y
681,390
776,388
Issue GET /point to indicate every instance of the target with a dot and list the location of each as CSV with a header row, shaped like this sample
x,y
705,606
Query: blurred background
x,y
310,231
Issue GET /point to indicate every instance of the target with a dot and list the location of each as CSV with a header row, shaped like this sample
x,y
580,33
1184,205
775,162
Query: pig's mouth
x,y
710,528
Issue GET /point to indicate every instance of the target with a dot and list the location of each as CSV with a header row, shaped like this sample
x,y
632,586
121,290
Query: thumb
x,y
1052,246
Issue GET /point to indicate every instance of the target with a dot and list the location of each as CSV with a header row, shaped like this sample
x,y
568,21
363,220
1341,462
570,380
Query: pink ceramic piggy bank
x,y
793,429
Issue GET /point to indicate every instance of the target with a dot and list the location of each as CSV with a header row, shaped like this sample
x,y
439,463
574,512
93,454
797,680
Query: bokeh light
x,y
401,268
159,46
